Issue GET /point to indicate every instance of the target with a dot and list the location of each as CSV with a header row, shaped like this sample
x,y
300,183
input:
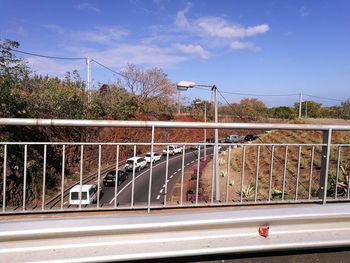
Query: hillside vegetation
x,y
309,168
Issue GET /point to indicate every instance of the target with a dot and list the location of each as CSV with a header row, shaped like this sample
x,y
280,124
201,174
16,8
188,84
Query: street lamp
x,y
205,130
185,85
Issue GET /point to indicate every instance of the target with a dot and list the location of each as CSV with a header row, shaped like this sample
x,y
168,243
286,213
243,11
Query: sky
x,y
241,46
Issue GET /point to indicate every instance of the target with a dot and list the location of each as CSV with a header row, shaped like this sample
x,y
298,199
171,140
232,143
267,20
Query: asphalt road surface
x,y
141,182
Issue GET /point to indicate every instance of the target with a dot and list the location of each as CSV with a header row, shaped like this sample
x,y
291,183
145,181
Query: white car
x,y
156,157
88,194
137,162
173,149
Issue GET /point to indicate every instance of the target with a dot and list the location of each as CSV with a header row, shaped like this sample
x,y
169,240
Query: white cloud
x,y
255,30
196,50
181,19
87,6
303,11
45,66
103,34
99,34
218,27
139,54
243,45
217,32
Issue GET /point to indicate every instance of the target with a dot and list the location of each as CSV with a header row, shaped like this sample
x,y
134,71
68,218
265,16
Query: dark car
x,y
250,137
109,179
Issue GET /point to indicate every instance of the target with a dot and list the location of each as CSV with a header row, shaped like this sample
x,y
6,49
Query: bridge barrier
x,y
242,174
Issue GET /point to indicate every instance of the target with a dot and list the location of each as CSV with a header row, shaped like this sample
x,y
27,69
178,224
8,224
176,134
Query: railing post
x,y
326,149
150,172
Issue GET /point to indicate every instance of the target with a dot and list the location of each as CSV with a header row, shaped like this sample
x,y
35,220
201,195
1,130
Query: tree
x,y
150,83
309,108
116,102
197,108
345,109
12,72
253,107
283,112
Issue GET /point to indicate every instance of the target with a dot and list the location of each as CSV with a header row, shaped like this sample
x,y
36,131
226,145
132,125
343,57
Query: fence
x,y
249,173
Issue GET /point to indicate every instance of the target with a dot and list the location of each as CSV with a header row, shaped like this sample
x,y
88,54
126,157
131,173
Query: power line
x,y
260,95
45,56
322,98
220,92
115,72
229,104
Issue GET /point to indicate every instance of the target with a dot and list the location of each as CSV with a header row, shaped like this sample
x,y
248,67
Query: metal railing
x,y
176,236
250,173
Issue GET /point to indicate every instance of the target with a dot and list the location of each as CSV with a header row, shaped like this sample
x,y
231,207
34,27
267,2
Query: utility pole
x,y
88,62
178,105
300,101
216,150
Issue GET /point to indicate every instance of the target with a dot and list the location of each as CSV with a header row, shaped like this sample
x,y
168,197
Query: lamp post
x,y
185,85
205,130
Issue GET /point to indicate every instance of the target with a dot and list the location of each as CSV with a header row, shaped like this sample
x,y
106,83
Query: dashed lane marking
x,y
136,177
161,191
171,176
158,196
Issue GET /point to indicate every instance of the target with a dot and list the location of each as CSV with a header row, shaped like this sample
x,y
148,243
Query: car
x,y
250,137
173,149
156,157
136,163
88,194
232,138
195,147
109,179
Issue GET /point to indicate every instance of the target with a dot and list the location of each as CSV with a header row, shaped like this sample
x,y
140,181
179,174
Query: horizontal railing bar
x,y
165,236
187,205
166,124
164,144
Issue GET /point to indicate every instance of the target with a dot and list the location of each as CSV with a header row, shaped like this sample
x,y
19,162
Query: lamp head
x,y
184,85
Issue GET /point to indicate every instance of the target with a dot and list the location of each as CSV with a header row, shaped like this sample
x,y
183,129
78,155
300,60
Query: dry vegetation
x,y
309,173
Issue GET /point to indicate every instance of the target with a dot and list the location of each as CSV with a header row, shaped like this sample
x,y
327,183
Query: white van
x,y
88,193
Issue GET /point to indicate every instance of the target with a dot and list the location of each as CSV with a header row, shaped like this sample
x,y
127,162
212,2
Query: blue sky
x,y
246,46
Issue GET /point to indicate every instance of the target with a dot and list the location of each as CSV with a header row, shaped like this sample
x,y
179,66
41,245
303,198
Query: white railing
x,y
152,188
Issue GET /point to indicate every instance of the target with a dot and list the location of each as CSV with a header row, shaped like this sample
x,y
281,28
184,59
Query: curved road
x,y
141,183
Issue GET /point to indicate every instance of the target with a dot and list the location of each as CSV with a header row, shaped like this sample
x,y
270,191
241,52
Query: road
x,y
141,183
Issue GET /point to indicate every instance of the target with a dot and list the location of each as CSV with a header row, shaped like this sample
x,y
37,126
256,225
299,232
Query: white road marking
x,y
167,181
171,176
158,196
174,173
163,185
188,163
65,202
179,169
180,156
161,191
